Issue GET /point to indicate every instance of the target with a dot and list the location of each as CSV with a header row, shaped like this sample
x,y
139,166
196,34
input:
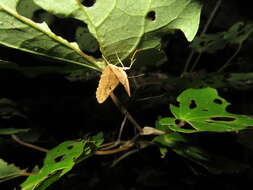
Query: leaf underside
x,y
22,33
121,26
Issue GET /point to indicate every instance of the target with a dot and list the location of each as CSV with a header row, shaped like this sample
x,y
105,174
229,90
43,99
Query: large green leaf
x,y
9,171
203,110
59,161
22,33
121,26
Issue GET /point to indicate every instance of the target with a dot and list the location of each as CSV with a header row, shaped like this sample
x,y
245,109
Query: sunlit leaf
x,y
121,26
21,33
59,161
203,110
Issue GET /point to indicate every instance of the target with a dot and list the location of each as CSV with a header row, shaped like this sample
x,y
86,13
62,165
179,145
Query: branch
x,y
124,111
217,5
18,140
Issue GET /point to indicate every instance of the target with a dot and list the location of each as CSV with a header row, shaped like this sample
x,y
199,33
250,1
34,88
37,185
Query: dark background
x,y
59,108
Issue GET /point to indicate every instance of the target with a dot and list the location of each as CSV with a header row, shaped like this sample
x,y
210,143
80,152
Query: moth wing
x,y
122,77
107,83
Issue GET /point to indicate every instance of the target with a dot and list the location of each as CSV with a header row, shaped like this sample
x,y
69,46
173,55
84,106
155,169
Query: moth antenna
x,y
105,60
119,60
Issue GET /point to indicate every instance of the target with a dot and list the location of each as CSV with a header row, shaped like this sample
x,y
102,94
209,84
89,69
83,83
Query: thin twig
x,y
124,147
124,111
28,173
217,5
142,146
117,142
231,58
189,58
195,62
18,140
124,156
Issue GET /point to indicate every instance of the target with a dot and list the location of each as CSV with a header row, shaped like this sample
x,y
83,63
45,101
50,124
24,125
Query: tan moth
x,y
110,78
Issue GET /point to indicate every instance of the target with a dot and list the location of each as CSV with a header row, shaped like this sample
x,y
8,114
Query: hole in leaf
x,y
151,15
209,121
177,121
176,103
183,124
223,118
186,126
217,101
88,3
70,147
205,109
192,104
59,158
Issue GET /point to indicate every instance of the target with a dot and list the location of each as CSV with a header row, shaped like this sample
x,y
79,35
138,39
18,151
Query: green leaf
x,y
27,8
9,171
203,110
239,32
10,131
58,162
213,163
21,33
85,40
121,26
209,43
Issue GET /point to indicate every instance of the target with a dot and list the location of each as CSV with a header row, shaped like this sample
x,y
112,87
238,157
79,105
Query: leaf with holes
x,y
203,110
21,33
121,26
58,162
9,171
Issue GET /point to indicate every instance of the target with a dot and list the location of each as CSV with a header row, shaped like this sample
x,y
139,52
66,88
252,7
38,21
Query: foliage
x,y
203,110
58,162
184,147
9,171
138,21
211,43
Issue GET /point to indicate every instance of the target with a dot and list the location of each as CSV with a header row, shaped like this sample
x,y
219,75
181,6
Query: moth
x,y
110,78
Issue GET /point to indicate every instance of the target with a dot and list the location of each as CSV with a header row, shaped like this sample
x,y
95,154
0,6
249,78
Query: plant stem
x,y
217,5
124,147
28,173
195,62
124,111
187,62
231,58
93,63
18,140
142,146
